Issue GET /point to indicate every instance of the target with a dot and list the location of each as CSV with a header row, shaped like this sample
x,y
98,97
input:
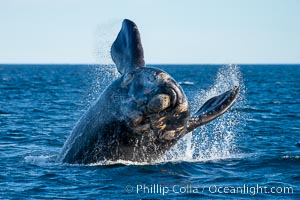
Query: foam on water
x,y
41,160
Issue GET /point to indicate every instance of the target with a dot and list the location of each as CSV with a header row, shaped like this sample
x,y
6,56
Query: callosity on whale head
x,y
141,114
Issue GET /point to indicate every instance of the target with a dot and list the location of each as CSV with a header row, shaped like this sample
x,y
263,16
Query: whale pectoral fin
x,y
127,50
213,108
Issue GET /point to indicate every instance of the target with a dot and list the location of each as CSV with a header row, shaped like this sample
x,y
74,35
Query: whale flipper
x,y
127,50
213,108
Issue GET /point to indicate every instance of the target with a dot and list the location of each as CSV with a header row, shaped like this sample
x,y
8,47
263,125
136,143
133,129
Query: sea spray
x,y
215,140
105,72
105,34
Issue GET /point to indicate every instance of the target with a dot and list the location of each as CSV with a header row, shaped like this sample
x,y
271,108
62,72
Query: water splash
x,y
103,76
105,35
41,160
215,140
105,72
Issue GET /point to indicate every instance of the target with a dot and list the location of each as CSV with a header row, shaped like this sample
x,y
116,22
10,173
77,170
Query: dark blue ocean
x,y
251,151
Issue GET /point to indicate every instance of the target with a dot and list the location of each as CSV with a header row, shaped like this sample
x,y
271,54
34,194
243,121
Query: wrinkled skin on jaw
x,y
143,113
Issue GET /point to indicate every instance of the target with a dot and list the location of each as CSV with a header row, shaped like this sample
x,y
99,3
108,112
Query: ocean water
x,y
251,151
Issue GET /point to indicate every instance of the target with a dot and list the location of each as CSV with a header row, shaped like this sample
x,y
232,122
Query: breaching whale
x,y
140,115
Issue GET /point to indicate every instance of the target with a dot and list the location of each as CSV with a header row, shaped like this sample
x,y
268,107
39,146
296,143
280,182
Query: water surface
x,y
252,146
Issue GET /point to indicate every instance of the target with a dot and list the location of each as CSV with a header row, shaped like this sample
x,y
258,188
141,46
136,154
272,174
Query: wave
x,y
244,159
291,157
4,112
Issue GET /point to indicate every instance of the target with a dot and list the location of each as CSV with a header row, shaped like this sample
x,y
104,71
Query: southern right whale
x,y
139,116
